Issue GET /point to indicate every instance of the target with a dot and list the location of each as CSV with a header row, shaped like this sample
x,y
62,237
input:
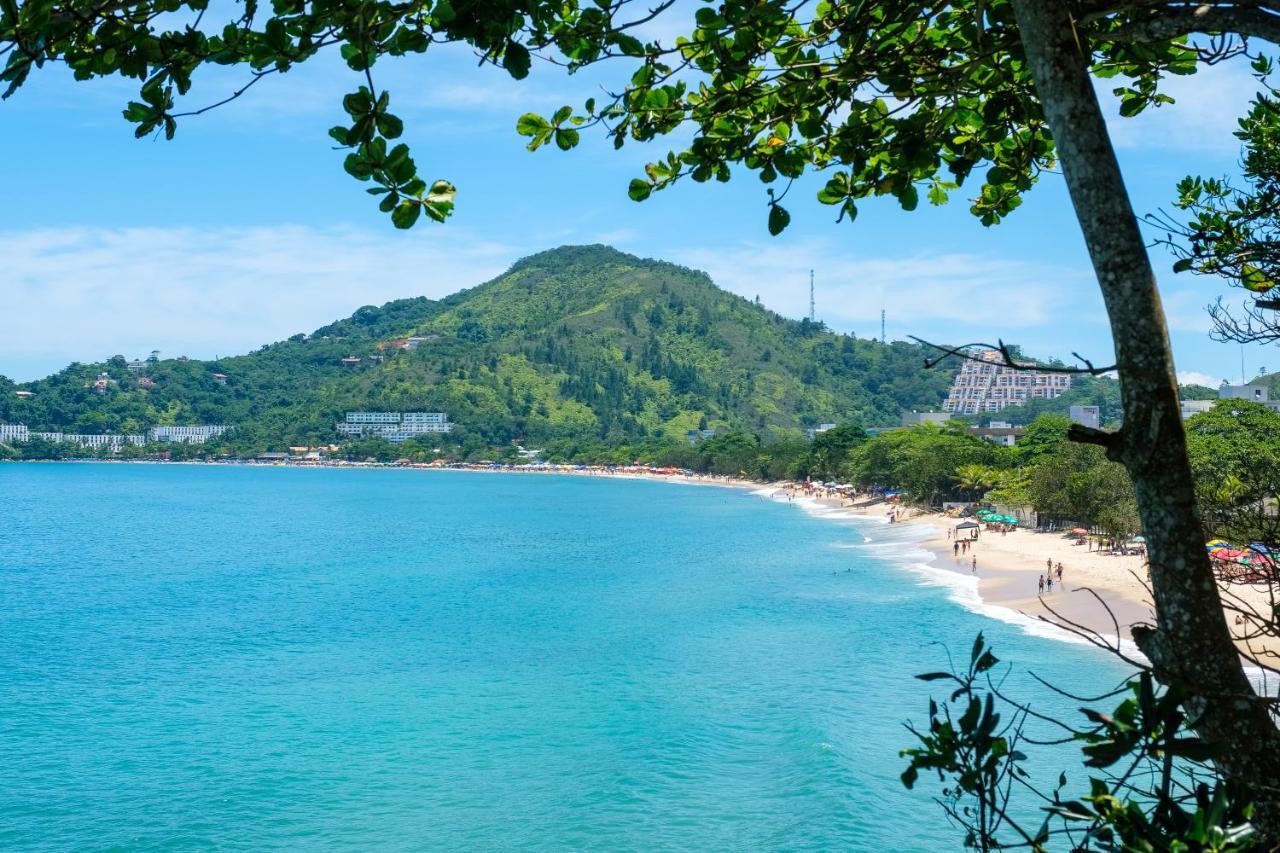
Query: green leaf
x,y
639,190
531,124
909,777
934,676
516,60
834,192
406,214
1130,107
138,112
909,198
442,191
1182,264
1253,279
566,139
390,126
779,219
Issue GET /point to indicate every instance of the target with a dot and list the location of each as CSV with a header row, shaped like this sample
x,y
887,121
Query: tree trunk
x,y
1191,644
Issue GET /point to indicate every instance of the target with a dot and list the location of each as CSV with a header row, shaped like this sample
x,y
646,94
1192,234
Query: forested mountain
x,y
579,342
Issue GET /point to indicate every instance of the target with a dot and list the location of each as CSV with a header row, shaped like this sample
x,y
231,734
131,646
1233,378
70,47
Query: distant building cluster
x,y
162,435
394,427
693,436
1254,392
984,384
410,343
813,432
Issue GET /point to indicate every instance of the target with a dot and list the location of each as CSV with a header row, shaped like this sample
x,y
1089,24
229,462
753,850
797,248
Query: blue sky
x,y
245,229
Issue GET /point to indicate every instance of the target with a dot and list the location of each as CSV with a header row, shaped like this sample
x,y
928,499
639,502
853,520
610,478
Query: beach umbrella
x,y
1217,543
1139,540
1079,531
1228,554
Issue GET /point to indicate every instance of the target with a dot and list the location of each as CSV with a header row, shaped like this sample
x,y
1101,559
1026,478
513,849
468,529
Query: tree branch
x,y
1007,359
1170,24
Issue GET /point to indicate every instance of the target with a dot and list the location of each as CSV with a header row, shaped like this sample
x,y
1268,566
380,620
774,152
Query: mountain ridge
x,y
576,342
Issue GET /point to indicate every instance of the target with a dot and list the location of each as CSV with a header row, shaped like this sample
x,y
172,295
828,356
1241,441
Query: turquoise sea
x,y
199,657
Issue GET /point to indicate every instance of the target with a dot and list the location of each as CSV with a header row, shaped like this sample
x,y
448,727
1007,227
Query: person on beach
x,y
974,568
1049,582
1042,584
955,549
1049,564
1059,573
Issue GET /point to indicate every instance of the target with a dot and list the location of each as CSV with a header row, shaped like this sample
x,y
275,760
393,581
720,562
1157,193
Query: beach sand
x,y
1101,593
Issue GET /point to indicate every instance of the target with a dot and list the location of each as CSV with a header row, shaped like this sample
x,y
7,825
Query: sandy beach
x,y
1100,592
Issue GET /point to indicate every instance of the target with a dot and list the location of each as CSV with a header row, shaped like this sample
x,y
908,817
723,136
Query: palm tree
x,y
975,479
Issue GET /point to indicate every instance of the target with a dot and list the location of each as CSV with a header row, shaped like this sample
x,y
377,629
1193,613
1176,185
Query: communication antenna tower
x,y
881,325
811,313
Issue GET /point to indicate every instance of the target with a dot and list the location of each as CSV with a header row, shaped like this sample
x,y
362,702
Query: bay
x,y
273,658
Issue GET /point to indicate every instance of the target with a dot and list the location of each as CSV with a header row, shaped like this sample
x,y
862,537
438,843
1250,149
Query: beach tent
x,y
967,525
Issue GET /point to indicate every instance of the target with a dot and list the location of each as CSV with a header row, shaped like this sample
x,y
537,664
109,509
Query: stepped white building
x,y
984,384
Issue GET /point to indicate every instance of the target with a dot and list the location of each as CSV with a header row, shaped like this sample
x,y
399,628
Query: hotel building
x,y
186,434
985,385
394,427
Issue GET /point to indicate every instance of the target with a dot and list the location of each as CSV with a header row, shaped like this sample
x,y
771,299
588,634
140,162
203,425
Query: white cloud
x,y
1195,377
1208,103
1185,310
86,293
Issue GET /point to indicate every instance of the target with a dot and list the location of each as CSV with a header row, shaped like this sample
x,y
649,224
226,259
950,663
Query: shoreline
x,y
1004,585
1101,594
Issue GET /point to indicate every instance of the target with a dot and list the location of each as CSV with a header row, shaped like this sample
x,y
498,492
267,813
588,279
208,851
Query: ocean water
x,y
197,657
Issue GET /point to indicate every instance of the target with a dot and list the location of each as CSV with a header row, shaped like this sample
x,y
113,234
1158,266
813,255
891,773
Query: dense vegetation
x,y
1234,450
585,346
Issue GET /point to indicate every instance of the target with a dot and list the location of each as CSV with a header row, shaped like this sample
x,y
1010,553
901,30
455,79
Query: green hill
x,y
580,342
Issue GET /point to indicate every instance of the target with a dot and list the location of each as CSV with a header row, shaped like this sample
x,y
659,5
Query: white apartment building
x,y
984,384
107,439
425,418
1253,392
1089,416
395,427
14,432
186,434
910,419
113,440
1191,408
373,417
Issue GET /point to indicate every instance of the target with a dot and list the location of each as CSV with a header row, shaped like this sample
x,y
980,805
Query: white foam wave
x,y
899,544
903,541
